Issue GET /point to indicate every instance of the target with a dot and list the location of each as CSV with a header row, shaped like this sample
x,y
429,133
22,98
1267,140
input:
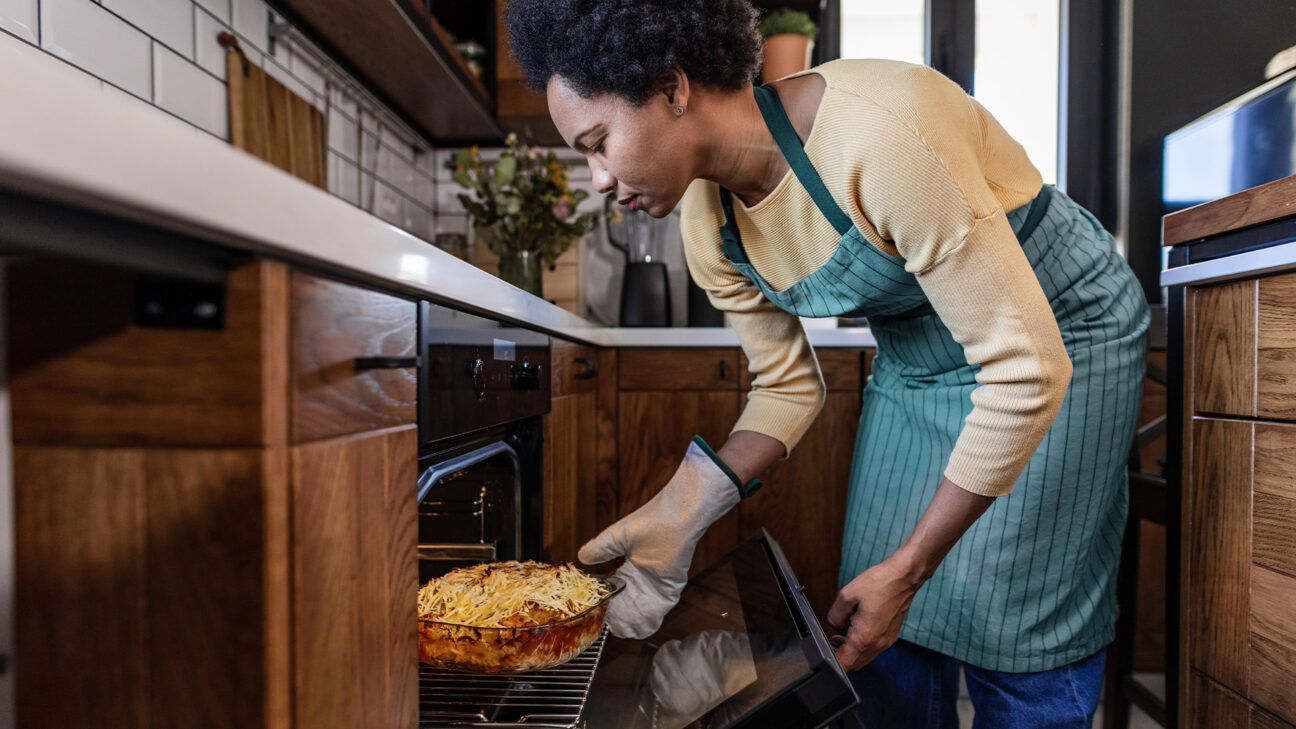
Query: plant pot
x,y
523,270
784,55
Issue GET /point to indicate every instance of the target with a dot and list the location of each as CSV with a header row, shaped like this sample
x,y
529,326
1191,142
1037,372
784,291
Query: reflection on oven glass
x,y
690,677
728,646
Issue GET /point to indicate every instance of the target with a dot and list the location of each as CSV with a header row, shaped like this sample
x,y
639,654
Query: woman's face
x,y
642,154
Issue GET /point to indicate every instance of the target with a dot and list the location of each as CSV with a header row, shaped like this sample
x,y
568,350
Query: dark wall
x,y
1187,57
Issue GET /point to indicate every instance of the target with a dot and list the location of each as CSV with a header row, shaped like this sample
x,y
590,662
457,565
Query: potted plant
x,y
789,40
522,208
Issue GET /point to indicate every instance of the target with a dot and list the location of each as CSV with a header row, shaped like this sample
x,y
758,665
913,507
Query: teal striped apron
x,y
1032,584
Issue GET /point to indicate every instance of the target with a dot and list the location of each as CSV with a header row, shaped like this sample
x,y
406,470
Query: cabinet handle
x,y
723,369
386,363
590,371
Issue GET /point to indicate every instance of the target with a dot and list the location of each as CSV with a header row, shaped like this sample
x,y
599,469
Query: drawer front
x,y
1224,348
1276,348
335,324
844,370
574,369
1211,706
679,369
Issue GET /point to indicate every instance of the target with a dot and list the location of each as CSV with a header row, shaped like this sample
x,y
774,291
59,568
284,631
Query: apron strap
x,y
730,240
776,119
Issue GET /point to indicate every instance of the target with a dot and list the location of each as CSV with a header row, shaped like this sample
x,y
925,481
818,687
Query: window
x,y
883,29
1016,75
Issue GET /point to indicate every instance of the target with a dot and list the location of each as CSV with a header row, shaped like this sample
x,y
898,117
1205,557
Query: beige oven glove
x,y
658,539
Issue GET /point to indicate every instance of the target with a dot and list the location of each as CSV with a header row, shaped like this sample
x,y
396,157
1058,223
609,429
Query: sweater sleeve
x,y
787,388
938,210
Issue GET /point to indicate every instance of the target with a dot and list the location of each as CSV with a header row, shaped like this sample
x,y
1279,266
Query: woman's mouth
x,y
630,201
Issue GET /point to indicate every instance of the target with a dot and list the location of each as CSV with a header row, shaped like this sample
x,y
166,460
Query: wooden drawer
x,y
1222,351
844,370
574,369
333,324
678,368
1276,348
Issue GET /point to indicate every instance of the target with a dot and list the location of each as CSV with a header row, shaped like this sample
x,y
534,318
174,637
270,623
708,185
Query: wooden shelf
x,y
406,56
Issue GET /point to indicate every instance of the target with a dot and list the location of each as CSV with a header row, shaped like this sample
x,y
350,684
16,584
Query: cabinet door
x,y
1272,654
142,597
355,579
1213,707
679,369
654,430
1218,530
570,491
1223,349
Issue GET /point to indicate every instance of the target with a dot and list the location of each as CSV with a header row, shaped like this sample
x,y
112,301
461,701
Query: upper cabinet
x,y
401,49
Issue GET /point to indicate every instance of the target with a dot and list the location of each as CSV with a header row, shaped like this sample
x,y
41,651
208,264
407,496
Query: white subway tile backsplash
x,y
342,136
219,8
343,178
388,204
424,191
20,17
88,36
426,162
251,20
179,123
309,72
396,138
183,89
395,170
207,52
418,220
168,21
369,153
342,100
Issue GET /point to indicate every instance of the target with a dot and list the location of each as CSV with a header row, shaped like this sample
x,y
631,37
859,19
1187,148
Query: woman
x,y
988,491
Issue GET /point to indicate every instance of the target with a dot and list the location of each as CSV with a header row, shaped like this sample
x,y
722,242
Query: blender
x,y
645,291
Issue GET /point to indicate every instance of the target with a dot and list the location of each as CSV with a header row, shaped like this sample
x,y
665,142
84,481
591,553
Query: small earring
x,y
679,111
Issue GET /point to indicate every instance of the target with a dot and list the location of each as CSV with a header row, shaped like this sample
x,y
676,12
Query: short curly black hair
x,y
626,46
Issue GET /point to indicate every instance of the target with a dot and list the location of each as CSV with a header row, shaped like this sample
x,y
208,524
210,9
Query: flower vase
x,y
523,270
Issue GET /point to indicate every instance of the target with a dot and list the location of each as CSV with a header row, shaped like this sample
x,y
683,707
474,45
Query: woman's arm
x,y
870,610
751,454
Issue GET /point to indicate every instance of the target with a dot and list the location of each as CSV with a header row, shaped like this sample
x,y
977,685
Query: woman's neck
x,y
740,154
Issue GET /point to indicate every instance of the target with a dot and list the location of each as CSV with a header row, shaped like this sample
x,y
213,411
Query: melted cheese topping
x,y
509,595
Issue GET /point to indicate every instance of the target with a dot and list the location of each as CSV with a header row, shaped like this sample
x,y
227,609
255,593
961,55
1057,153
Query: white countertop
x,y
64,137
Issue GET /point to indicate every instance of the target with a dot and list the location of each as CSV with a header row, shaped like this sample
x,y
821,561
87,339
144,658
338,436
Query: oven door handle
x,y
435,473
458,552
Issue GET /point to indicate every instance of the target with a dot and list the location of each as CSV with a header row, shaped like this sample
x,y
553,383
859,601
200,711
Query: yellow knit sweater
x,y
926,173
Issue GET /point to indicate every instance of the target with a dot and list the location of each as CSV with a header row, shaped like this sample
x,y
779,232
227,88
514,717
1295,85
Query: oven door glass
x,y
469,510
741,649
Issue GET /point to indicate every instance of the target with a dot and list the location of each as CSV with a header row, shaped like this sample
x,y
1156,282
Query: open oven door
x,y
741,650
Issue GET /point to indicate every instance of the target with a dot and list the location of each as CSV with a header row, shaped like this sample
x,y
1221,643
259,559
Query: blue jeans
x,y
910,687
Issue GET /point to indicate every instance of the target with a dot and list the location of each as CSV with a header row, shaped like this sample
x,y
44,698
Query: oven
x,y
483,388
743,628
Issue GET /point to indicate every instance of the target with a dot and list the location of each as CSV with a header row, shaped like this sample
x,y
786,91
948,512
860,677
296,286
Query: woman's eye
x,y
598,148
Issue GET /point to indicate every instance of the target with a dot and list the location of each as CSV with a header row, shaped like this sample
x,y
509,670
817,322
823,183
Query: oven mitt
x,y
658,539
690,677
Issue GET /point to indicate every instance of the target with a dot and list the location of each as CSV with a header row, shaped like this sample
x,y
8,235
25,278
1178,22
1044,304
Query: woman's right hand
x,y
658,540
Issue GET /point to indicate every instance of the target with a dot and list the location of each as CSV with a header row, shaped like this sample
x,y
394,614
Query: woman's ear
x,y
675,87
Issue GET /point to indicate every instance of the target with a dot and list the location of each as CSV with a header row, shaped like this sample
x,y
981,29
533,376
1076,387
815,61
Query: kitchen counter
x,y
66,138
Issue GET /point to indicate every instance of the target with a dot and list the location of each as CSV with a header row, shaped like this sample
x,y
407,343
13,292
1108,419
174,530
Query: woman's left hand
x,y
870,610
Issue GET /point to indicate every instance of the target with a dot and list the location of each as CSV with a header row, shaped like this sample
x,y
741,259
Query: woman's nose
x,y
604,182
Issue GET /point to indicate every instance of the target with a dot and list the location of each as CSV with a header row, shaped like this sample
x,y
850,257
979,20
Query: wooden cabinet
x,y
1239,519
180,562
570,452
665,396
355,579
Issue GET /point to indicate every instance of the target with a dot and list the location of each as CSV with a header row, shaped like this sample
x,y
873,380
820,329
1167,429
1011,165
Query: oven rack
x,y
551,699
